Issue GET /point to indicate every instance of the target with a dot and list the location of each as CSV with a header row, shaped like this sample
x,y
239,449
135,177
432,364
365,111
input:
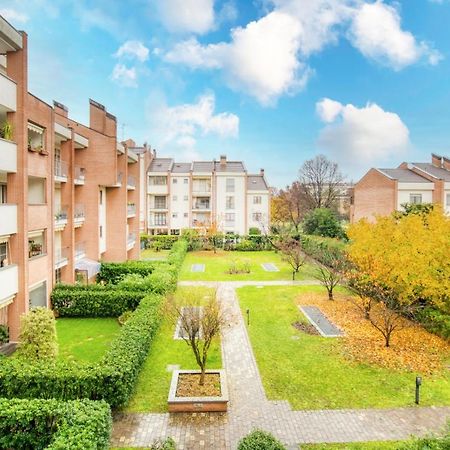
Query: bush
x,y
167,444
435,321
124,317
158,242
428,443
178,253
93,301
54,425
112,273
321,249
4,334
37,339
254,231
323,222
260,440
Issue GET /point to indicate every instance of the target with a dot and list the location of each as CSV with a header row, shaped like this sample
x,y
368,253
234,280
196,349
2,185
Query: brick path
x,y
249,407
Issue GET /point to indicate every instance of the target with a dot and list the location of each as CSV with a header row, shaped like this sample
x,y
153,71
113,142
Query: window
x,y
175,232
160,202
36,244
36,138
174,198
186,181
257,217
101,197
201,185
448,199
229,219
186,198
4,260
101,231
230,184
230,203
36,191
157,181
185,214
58,277
174,215
415,198
257,200
174,180
3,198
38,296
160,219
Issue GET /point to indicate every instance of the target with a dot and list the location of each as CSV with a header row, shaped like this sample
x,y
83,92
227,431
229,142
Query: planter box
x,y
198,404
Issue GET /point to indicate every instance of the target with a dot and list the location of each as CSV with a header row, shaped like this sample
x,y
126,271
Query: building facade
x,y
69,193
204,194
383,191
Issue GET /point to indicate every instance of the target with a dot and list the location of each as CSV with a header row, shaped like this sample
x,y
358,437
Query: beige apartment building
x,y
204,193
69,193
383,191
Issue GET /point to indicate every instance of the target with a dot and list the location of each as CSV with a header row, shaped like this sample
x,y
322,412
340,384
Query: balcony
x,y
9,285
8,93
8,158
80,142
201,188
61,257
79,177
60,218
8,222
80,250
201,204
61,171
131,241
131,210
157,185
79,215
131,183
119,180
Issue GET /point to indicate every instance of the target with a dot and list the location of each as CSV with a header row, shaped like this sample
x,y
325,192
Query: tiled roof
x,y
437,172
202,166
404,175
229,166
161,165
181,167
256,183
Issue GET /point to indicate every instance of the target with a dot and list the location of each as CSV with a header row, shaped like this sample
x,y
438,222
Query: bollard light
x,y
248,317
418,384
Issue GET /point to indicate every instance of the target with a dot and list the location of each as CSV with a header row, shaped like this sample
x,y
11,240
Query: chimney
x,y
436,160
446,163
261,172
60,108
223,160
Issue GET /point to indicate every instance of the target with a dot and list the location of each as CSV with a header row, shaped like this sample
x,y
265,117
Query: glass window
x,y
257,217
186,181
257,200
230,203
58,277
230,184
160,202
160,219
448,199
186,198
36,191
415,198
4,254
36,244
229,219
157,181
185,214
38,296
174,198
174,180
175,215
3,198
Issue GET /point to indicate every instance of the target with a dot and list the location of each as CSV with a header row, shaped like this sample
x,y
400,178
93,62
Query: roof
x,y
181,167
202,166
256,183
161,165
404,175
229,166
437,172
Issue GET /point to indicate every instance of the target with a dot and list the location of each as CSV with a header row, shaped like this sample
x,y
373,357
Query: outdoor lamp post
x,y
418,384
248,316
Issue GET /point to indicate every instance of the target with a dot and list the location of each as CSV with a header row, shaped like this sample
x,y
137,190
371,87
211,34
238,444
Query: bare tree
x,y
329,277
321,182
199,324
292,252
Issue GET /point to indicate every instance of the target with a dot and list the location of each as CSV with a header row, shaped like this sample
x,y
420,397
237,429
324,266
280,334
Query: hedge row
x,y
93,301
158,242
112,379
112,273
323,249
54,425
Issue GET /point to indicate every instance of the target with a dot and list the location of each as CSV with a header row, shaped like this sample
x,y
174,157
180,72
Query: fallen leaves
x,y
412,348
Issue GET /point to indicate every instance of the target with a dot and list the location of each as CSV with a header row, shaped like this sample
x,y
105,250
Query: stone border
x,y
314,324
198,404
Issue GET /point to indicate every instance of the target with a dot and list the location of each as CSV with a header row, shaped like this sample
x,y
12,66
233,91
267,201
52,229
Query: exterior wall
x,y
182,205
262,208
375,194
406,189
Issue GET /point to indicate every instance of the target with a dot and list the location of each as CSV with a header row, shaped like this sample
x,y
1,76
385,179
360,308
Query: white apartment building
x,y
204,193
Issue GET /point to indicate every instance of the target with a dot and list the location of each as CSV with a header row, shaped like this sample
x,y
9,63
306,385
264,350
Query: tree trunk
x,y
202,376
387,339
330,294
293,275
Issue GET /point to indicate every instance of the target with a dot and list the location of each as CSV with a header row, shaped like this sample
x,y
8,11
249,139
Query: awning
x,y
92,267
35,128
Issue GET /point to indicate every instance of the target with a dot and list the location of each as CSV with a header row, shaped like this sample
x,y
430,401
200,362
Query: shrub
x,y
177,253
112,273
254,231
124,317
54,425
93,301
167,444
322,222
246,245
4,334
429,442
37,339
260,440
322,249
161,281
435,321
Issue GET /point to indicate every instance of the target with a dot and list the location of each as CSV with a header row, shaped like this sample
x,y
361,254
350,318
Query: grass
x,y
85,340
311,372
154,380
151,254
376,445
216,266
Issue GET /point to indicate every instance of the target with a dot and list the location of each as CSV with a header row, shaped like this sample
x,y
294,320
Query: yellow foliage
x,y
412,348
411,255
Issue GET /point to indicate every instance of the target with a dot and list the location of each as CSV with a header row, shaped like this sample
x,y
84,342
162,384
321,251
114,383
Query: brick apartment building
x,y
200,193
69,193
383,191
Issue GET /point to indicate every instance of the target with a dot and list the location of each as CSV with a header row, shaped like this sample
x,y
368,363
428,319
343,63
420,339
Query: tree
x,y
330,271
37,339
211,231
414,208
321,182
323,222
199,323
292,252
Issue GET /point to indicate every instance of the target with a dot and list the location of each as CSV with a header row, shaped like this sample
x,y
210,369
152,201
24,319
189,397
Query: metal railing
x,y
80,173
61,254
78,212
61,169
131,238
131,209
61,214
80,249
131,181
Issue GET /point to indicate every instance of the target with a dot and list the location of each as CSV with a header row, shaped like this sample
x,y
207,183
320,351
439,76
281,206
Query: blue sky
x,y
272,82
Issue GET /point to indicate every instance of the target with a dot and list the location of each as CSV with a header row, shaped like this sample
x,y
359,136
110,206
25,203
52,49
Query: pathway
x,y
249,407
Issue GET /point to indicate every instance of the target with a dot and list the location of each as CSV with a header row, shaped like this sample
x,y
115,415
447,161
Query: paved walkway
x,y
249,407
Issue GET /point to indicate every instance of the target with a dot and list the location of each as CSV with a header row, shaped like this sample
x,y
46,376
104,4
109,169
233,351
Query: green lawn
x,y
310,371
376,445
216,266
85,340
154,380
151,254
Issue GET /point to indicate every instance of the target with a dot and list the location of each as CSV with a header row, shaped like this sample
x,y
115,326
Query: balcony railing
x,y
201,206
61,256
80,250
60,215
61,169
119,179
131,240
201,189
78,213
80,175
131,209
131,182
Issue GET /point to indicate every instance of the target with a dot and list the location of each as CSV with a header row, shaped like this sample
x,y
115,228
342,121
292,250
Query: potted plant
x,y
198,323
4,334
6,131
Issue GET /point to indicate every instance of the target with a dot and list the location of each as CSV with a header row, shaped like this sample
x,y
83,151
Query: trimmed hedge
x,y
54,425
258,440
93,301
159,242
112,273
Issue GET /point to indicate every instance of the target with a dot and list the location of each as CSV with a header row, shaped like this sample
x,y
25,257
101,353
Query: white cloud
x,y
124,76
13,16
181,126
133,49
180,16
360,136
269,57
376,32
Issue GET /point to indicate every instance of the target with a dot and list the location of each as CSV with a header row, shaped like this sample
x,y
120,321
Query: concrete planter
x,y
198,404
